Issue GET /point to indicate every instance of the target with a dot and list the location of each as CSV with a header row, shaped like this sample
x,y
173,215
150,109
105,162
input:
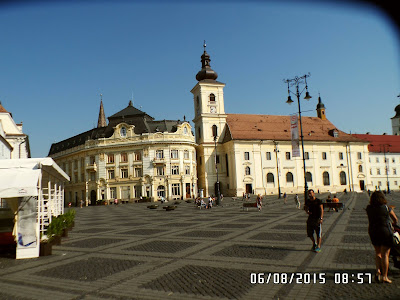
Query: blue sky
x,y
56,60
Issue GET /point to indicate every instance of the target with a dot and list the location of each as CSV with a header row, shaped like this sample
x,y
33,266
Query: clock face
x,y
213,109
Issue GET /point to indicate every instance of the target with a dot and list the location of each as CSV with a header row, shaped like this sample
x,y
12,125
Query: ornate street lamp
x,y
215,134
295,82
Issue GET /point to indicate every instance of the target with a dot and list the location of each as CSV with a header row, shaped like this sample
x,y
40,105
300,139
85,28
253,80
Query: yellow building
x,y
253,153
132,156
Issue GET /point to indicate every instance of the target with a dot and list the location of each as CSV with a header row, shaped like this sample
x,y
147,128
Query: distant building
x,y
133,156
384,160
396,121
14,143
253,153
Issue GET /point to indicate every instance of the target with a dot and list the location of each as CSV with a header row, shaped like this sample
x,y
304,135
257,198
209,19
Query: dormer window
x,y
212,98
123,131
334,133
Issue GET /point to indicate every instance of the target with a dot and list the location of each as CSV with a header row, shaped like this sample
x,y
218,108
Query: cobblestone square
x,y
128,251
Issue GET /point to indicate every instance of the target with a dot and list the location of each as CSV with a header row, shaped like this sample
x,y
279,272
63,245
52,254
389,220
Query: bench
x,y
248,205
334,205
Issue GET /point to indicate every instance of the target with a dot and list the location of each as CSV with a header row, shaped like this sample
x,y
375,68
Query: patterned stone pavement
x,y
132,252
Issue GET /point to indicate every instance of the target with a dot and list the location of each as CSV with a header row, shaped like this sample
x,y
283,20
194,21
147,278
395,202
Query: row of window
x,y
378,171
306,155
123,157
174,154
386,160
380,183
325,178
160,171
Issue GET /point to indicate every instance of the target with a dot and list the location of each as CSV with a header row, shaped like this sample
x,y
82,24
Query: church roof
x,y
381,143
271,127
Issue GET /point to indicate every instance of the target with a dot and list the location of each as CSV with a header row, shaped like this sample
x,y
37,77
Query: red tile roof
x,y
272,127
381,143
2,109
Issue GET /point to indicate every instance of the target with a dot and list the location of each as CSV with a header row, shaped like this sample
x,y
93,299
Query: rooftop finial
x,y
204,45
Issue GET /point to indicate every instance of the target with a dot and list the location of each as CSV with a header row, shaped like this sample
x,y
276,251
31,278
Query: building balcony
x,y
91,167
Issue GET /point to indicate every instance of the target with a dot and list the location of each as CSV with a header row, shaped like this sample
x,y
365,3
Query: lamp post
x,y
215,134
385,150
295,82
277,168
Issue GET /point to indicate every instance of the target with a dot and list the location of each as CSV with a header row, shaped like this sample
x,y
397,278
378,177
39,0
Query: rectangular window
x,y
160,171
394,172
138,172
393,160
395,183
306,155
187,170
268,155
113,192
111,174
287,155
175,170
341,155
186,154
378,171
174,154
137,156
160,154
92,160
124,173
247,156
379,183
110,158
176,191
324,155
377,159
124,157
359,155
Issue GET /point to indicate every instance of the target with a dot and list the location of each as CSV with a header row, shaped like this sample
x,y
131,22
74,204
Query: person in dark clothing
x,y
315,211
380,217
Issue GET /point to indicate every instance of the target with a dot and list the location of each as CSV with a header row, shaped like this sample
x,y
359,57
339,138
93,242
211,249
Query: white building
x,y
384,161
18,142
133,156
253,153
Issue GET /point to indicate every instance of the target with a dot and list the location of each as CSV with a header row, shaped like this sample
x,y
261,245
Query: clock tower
x,y
210,119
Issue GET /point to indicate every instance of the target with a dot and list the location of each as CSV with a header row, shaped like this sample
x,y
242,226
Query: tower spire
x,y
102,118
206,72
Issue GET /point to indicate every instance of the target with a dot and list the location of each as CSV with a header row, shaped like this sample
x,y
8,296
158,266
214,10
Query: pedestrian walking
x,y
284,198
315,211
297,201
380,231
259,202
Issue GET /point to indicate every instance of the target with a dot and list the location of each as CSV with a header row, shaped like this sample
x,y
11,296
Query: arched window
x,y
214,129
325,178
360,168
161,191
343,180
289,177
247,171
212,98
270,178
308,177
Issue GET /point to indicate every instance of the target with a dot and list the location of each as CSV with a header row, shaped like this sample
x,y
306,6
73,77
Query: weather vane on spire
x,y
204,45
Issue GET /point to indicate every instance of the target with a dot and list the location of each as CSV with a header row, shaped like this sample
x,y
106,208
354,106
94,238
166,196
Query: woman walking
x,y
380,217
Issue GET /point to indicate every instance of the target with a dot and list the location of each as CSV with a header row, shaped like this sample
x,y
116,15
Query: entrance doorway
x,y
249,188
187,190
93,197
362,185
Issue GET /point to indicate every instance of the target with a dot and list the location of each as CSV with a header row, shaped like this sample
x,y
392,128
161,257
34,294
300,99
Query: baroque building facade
x,y
132,156
252,153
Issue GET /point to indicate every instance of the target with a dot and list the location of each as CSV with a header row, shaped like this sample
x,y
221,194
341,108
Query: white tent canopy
x,y
33,189
20,177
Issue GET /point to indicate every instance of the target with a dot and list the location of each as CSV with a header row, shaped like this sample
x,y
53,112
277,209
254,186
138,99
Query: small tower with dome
x,y
396,121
